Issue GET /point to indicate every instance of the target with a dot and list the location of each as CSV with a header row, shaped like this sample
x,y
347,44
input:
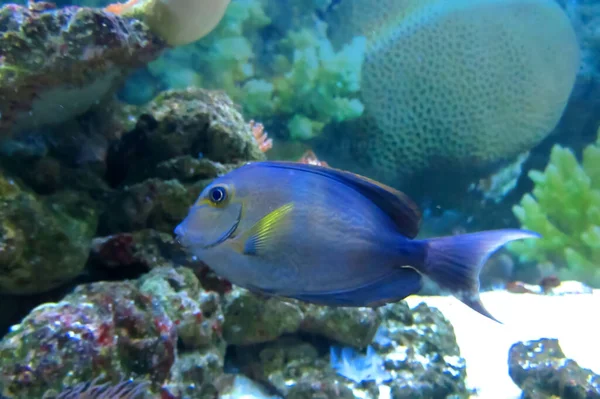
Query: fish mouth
x,y
226,235
188,238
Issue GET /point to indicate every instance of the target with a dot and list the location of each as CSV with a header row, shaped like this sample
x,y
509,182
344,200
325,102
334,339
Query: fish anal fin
x,y
397,205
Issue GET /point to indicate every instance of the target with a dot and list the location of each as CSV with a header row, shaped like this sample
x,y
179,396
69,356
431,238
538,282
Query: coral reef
x,y
253,319
541,370
397,342
302,83
169,330
321,85
57,63
117,329
358,368
46,237
183,127
110,176
564,207
480,99
417,348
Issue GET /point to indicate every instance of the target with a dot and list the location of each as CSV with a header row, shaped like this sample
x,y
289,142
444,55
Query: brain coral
x,y
459,85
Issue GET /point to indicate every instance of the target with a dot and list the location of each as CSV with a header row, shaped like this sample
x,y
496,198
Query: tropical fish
x,y
329,237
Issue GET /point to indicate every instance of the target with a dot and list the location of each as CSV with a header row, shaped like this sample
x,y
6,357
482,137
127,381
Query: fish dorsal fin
x,y
397,205
259,237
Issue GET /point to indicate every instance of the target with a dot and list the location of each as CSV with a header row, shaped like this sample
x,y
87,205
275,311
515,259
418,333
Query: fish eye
x,y
217,195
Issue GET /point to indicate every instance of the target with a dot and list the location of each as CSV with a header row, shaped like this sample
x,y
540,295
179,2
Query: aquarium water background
x,y
114,117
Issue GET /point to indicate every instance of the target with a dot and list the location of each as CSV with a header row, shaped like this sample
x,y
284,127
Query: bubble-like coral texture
x,y
460,84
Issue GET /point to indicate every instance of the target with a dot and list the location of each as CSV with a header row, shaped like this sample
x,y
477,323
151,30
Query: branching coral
x,y
294,76
317,87
565,208
261,137
222,59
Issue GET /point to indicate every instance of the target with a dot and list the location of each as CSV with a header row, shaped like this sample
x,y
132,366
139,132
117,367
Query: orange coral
x,y
310,158
119,8
263,140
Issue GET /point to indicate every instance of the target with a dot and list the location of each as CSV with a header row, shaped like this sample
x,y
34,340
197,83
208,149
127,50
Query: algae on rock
x,y
564,208
44,241
119,330
57,63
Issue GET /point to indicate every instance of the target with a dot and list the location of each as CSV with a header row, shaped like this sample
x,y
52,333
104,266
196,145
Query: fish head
x,y
233,203
213,218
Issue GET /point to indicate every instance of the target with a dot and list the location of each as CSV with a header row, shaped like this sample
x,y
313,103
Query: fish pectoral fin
x,y
260,236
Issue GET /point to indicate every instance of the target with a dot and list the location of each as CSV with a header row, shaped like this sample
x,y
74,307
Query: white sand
x,y
573,319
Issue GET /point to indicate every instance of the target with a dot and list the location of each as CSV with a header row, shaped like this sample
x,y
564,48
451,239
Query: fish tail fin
x,y
455,262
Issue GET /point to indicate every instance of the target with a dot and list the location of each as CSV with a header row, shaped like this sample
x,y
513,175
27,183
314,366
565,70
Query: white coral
x,y
358,368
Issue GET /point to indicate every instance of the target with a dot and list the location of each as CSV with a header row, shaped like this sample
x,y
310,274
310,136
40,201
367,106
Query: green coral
x,y
301,80
222,58
565,209
320,85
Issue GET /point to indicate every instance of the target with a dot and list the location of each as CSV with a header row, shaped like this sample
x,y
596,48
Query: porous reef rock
x,y
181,141
416,356
57,63
419,348
120,330
177,133
461,86
169,329
252,319
44,241
541,370
143,177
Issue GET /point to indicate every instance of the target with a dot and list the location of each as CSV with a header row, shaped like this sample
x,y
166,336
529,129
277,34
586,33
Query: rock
x,y
419,348
354,327
187,168
181,141
177,129
242,385
201,371
104,327
294,368
154,203
146,248
541,370
119,329
252,318
415,353
45,241
57,63
196,314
